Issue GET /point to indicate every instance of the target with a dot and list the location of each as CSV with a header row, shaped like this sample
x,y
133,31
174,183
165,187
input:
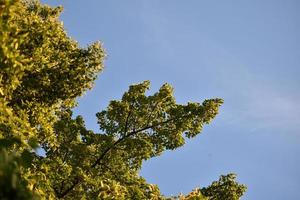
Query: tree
x,y
42,72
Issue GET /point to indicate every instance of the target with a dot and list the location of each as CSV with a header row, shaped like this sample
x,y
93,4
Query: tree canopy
x,y
42,72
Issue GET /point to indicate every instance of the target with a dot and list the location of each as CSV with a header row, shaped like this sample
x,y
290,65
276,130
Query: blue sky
x,y
246,52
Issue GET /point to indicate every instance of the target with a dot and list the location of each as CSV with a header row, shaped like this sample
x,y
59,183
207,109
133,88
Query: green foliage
x,y
12,185
225,189
42,69
42,72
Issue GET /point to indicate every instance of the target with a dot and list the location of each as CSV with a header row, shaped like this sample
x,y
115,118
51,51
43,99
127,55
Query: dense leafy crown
x,y
42,71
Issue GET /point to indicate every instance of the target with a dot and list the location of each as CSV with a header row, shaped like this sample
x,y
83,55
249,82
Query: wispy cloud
x,y
252,100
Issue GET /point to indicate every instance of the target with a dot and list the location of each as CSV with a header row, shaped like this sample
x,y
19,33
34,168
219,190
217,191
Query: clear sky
x,y
246,52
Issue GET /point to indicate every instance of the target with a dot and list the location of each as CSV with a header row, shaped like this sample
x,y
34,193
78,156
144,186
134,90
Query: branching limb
x,y
106,151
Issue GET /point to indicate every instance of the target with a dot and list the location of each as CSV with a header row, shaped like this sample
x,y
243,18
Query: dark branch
x,y
75,182
127,136
127,120
98,161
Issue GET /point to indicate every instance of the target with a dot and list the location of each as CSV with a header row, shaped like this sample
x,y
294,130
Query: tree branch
x,y
127,136
127,120
75,182
97,162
